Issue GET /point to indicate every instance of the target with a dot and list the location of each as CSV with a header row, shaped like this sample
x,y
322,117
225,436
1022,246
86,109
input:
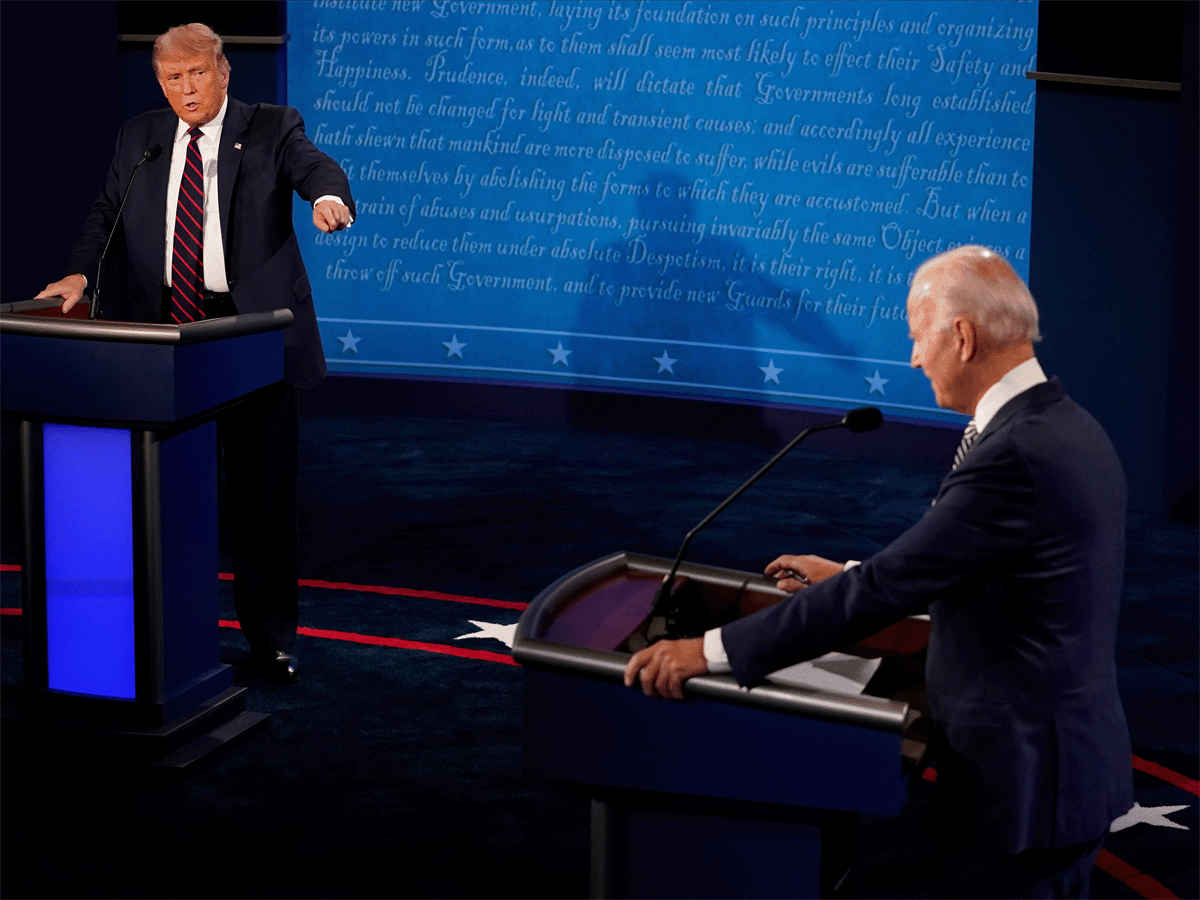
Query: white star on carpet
x,y
349,342
1150,815
665,363
770,373
876,383
453,347
560,355
506,634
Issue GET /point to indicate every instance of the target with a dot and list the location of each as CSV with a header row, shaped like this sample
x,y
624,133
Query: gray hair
x,y
184,41
983,287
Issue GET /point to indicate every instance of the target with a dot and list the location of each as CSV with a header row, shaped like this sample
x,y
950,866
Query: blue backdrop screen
x,y
722,199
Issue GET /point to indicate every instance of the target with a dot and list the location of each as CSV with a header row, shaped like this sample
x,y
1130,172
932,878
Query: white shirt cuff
x,y
714,646
714,652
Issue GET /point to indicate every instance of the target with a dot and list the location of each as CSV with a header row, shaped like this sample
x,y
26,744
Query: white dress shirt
x,y
1018,380
215,276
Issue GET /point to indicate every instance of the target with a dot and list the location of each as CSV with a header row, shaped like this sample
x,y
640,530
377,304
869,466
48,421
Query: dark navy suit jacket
x,y
1020,564
264,156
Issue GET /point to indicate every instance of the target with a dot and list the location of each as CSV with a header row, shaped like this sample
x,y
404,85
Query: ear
x,y
966,338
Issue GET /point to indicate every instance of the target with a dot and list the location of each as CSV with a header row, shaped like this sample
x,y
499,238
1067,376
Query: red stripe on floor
x,y
398,643
396,592
408,592
1190,785
1140,882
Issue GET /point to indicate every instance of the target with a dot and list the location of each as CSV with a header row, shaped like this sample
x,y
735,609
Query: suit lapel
x,y
157,174
234,136
1046,392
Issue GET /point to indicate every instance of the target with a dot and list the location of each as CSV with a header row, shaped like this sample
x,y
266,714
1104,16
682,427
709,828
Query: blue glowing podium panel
x,y
774,774
89,583
119,483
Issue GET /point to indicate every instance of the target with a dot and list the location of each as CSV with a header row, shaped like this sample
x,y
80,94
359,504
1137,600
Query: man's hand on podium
x,y
69,288
793,573
663,667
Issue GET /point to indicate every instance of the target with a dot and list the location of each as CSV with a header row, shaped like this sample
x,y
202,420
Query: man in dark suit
x,y
207,231
1019,563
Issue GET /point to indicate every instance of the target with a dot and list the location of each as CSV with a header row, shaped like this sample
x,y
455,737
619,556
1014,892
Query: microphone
x,y
151,153
663,619
865,418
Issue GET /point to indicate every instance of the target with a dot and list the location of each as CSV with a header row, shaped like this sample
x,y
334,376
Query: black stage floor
x,y
394,767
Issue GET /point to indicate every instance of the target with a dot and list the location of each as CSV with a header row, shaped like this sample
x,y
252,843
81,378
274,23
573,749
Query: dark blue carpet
x,y
397,772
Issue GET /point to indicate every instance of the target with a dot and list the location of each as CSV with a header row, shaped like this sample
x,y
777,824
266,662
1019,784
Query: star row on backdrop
x,y
559,356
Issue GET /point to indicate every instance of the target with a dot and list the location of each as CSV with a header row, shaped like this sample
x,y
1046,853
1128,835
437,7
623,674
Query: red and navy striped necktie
x,y
187,258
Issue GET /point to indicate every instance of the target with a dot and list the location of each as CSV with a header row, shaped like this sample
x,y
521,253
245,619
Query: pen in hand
x,y
792,573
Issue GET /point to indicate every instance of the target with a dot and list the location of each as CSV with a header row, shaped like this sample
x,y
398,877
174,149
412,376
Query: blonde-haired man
x,y
207,231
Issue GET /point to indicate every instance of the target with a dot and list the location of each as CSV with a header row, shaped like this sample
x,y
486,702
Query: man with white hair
x,y
1019,563
207,231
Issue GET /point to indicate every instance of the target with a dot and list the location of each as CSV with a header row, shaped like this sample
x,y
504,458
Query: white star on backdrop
x,y
349,342
876,383
453,347
560,355
506,634
665,363
770,373
1150,815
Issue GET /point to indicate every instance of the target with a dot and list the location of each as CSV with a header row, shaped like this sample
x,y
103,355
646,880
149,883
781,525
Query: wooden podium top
x,y
770,743
579,625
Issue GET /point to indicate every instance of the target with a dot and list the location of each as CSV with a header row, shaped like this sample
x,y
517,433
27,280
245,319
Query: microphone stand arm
x,y
664,589
147,156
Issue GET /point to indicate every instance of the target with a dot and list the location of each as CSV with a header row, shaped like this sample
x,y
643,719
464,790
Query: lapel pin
x,y
237,146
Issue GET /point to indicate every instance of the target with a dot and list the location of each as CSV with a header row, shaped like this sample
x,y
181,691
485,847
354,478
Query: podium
x,y
732,792
119,494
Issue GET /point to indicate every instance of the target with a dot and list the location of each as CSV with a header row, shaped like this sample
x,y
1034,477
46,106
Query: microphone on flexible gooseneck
x,y
150,154
660,621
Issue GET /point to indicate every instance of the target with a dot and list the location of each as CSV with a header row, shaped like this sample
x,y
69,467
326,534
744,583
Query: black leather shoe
x,y
279,666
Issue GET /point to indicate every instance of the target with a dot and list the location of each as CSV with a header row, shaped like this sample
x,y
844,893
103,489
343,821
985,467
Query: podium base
x,y
650,844
216,725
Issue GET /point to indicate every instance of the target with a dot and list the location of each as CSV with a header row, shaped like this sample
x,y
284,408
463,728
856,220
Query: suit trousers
x,y
259,440
1036,874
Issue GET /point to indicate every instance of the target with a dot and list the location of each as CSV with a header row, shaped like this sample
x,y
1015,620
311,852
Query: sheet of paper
x,y
837,673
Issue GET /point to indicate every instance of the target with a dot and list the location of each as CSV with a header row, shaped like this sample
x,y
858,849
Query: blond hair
x,y
184,41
